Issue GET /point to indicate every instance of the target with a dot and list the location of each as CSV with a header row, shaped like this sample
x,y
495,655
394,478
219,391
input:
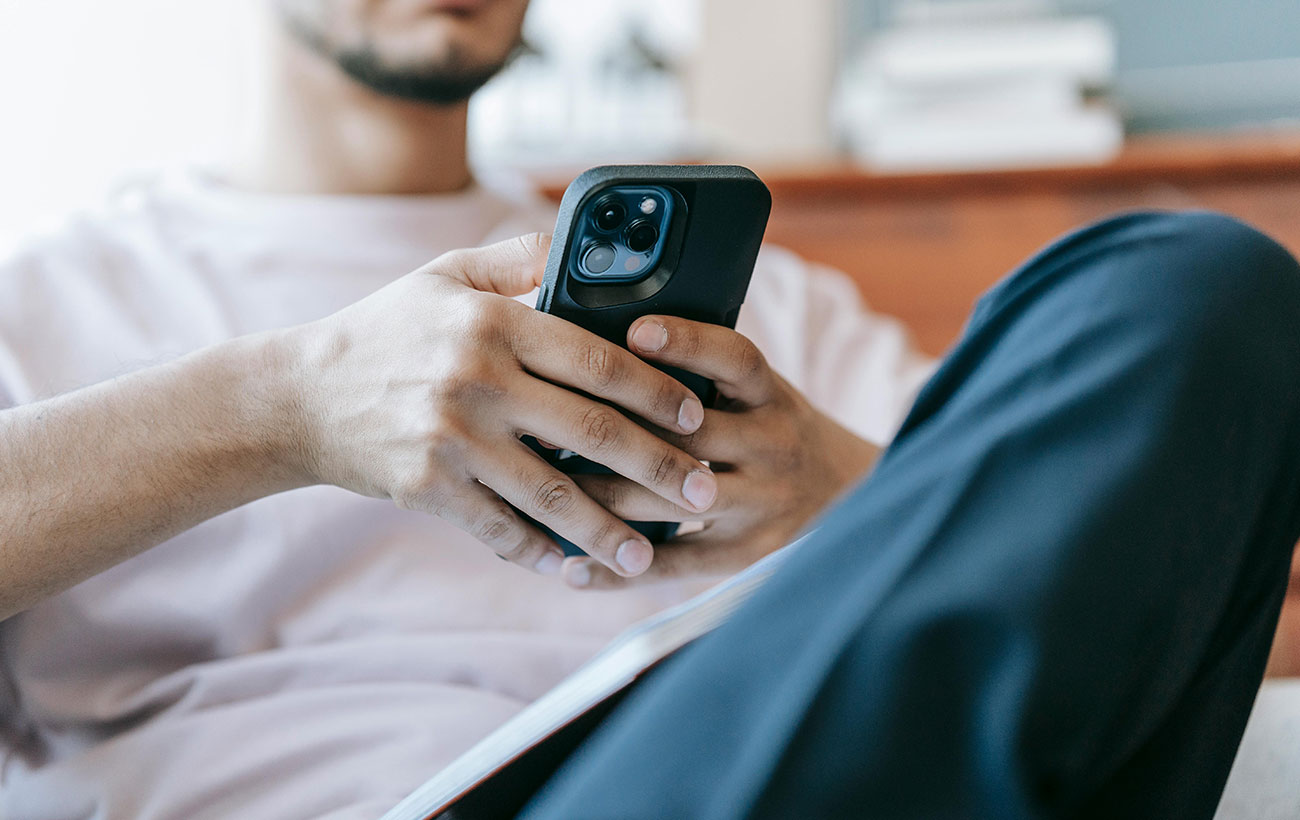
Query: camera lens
x,y
598,258
610,214
642,236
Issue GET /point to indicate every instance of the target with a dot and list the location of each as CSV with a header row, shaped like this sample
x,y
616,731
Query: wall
x,y
1187,64
82,83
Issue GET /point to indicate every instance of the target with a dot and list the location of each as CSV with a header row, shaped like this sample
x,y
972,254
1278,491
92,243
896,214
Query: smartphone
x,y
633,240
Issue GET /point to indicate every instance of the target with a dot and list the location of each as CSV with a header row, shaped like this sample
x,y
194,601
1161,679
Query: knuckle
x,y
513,550
443,441
606,535
554,497
669,397
662,467
785,458
459,259
613,496
488,315
495,529
608,494
421,490
406,499
600,364
599,427
533,244
690,442
505,538
472,378
684,337
750,363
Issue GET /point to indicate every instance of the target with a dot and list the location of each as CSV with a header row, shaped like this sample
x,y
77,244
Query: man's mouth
x,y
457,7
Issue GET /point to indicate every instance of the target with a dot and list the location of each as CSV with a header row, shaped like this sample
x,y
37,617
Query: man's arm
x,y
418,393
92,477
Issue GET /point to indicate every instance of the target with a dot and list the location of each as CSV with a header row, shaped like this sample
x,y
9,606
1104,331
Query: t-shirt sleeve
x,y
7,393
864,367
8,351
857,366
30,329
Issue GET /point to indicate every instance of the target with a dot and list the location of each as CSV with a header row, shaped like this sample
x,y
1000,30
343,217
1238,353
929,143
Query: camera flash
x,y
648,205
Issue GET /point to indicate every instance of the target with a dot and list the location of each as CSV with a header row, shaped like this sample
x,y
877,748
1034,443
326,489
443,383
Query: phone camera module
x,y
599,258
642,236
610,214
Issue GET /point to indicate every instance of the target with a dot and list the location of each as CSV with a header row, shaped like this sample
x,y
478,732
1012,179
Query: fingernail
x,y
634,556
700,488
579,575
549,564
691,415
650,337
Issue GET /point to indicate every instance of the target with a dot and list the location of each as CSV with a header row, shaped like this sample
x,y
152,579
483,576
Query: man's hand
x,y
420,393
778,461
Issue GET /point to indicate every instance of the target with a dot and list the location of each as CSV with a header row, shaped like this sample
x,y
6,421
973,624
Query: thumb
x,y
510,267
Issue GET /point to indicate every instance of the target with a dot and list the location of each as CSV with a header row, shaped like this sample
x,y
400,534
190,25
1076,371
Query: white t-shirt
x,y
315,653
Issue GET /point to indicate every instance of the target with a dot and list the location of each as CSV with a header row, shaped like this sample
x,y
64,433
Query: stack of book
x,y
980,94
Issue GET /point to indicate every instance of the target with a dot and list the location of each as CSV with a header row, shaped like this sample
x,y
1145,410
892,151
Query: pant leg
x,y
1054,596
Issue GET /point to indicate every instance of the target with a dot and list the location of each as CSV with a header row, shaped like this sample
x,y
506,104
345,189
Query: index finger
x,y
734,363
561,352
698,556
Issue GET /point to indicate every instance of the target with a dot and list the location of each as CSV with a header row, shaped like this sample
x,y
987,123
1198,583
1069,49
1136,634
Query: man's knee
x,y
1213,287
1193,272
1194,303
1229,258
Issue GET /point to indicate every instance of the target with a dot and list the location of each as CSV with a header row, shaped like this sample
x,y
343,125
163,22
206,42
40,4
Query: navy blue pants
x,y
1054,596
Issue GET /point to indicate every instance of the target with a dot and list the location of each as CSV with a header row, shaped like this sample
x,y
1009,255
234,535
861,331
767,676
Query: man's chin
x,y
431,51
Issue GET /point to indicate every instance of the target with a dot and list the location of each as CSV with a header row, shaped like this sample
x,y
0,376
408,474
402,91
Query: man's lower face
x,y
437,51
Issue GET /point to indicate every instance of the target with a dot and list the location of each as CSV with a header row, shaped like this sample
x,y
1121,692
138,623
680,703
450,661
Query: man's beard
x,y
435,84
446,82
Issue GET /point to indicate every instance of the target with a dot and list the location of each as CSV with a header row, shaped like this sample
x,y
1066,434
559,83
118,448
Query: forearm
x,y
90,478
418,393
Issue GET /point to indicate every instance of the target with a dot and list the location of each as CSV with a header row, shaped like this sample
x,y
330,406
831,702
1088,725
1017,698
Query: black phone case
x,y
712,243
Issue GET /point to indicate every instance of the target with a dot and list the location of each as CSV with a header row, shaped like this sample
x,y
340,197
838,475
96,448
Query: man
x,y
315,650
1052,598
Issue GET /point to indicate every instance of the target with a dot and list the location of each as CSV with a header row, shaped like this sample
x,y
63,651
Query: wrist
x,y
266,405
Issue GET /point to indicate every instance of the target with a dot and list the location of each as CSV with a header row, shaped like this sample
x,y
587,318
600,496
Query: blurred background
x,y
923,146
